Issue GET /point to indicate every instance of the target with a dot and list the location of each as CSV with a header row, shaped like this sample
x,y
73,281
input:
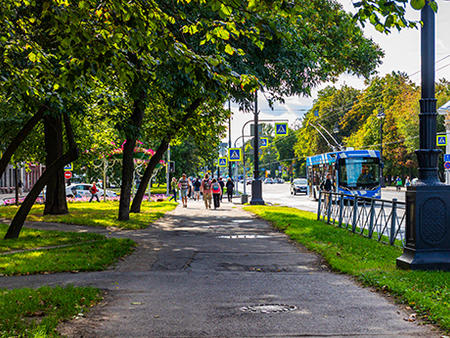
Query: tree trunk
x,y
133,128
137,201
71,155
55,197
21,135
157,156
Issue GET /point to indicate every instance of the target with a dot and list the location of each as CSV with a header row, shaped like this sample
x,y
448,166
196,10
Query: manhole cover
x,y
243,236
268,308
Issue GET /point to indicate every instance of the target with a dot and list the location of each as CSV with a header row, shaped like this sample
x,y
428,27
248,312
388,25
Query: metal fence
x,y
379,219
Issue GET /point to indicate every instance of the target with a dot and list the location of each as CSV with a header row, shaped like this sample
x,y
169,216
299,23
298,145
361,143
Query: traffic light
x,y
172,166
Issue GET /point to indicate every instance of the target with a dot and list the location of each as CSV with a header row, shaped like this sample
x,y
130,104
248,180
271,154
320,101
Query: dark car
x,y
299,185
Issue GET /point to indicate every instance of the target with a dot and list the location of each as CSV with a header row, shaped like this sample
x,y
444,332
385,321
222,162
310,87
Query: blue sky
x,y
402,53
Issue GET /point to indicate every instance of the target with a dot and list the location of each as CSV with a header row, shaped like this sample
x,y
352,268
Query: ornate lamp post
x,y
428,203
381,115
256,183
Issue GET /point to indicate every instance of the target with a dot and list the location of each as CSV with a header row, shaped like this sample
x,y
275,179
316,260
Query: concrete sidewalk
x,y
224,272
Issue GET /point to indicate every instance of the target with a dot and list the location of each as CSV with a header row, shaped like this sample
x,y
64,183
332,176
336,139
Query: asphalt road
x,y
222,273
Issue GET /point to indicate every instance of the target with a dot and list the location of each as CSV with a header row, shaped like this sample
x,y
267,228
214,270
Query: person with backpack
x,y
197,183
222,184
217,192
230,187
93,190
206,190
183,184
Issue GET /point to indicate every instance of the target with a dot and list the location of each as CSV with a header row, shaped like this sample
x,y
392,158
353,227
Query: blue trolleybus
x,y
353,172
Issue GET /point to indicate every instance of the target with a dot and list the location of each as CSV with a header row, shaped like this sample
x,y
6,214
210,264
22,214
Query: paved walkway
x,y
204,272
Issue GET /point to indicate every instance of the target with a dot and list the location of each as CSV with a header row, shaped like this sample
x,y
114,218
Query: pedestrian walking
x,y
93,190
222,184
183,184
19,187
216,191
407,181
230,188
174,189
398,183
197,183
205,188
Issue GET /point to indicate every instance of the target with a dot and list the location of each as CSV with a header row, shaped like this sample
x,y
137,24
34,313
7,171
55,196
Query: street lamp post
x,y
427,203
229,137
381,115
256,183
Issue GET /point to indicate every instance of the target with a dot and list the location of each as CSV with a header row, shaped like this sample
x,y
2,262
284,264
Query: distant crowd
x,y
195,188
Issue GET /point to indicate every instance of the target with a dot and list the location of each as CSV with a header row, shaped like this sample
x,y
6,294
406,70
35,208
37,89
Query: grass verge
x,y
90,256
372,263
37,312
101,214
33,238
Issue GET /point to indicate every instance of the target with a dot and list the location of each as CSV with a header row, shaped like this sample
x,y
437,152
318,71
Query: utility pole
x,y
229,137
168,171
427,204
381,115
256,183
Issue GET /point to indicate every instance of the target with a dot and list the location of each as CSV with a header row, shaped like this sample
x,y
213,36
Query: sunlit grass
x,y
102,214
90,256
32,238
373,263
36,313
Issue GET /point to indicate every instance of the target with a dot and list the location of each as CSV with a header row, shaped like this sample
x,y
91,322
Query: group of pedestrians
x,y
211,190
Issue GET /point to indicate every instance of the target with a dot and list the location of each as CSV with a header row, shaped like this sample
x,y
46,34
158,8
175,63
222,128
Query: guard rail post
x,y
341,209
372,216
355,214
393,222
318,205
329,207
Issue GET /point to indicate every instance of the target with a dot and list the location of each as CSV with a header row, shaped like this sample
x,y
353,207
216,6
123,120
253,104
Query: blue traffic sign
x,y
441,140
446,157
223,161
234,155
264,142
281,128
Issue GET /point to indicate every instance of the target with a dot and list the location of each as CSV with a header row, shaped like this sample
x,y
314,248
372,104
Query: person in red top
x,y
217,192
93,190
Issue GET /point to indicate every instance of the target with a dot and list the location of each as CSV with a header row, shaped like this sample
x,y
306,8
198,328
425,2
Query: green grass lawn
x,y
37,312
32,238
101,214
90,256
427,292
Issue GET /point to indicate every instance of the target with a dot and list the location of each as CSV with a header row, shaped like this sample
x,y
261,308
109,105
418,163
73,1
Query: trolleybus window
x,y
359,172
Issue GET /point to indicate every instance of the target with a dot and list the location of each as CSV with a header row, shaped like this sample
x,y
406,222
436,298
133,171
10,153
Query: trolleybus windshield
x,y
359,172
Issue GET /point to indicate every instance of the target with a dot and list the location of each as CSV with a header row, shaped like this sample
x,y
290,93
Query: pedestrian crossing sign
x,y
223,161
263,142
441,140
281,128
234,155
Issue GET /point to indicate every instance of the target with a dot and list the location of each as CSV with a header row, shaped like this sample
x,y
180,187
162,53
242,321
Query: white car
x,y
82,189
